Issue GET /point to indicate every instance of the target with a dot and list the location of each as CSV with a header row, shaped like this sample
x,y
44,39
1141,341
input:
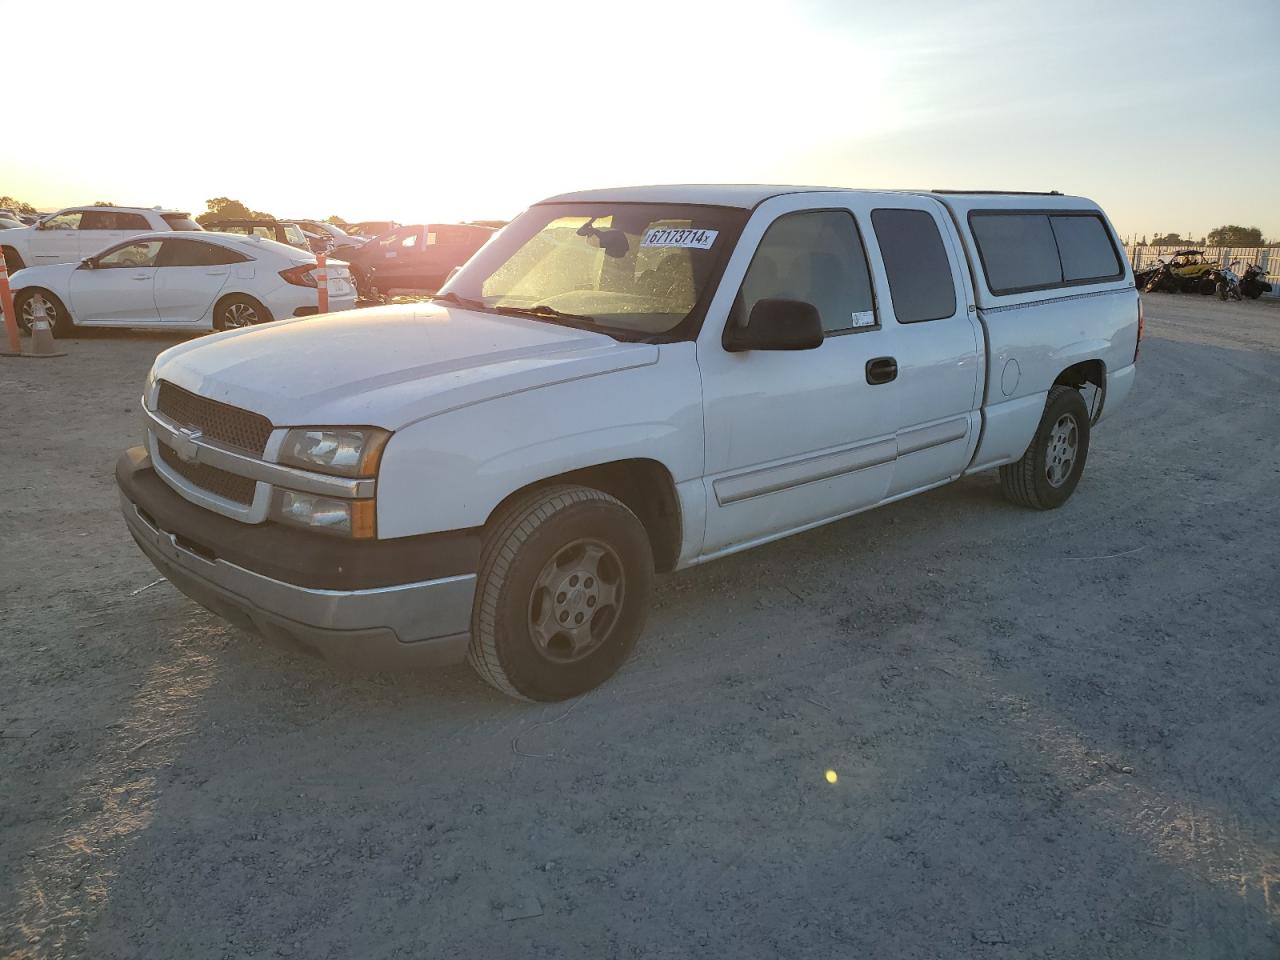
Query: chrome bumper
x,y
412,624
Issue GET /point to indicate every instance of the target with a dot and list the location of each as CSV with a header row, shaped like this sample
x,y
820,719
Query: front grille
x,y
218,421
218,482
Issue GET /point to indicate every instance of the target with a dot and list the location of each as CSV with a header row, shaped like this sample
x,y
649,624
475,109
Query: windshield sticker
x,y
864,319
672,237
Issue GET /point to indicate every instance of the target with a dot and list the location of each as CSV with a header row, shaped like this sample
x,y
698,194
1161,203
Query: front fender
x,y
448,472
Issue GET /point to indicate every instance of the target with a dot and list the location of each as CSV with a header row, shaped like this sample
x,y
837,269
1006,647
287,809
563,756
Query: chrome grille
x,y
218,421
218,482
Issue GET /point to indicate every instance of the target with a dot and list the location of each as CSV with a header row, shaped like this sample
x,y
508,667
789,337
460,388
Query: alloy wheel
x,y
1064,445
239,315
30,310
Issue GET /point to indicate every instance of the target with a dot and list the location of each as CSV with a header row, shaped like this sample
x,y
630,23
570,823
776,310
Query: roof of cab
x,y
744,195
750,195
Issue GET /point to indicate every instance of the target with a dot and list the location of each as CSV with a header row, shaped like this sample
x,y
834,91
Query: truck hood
x,y
389,366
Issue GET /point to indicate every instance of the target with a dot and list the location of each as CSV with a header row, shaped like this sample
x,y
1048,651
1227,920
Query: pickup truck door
x,y
57,240
938,345
793,438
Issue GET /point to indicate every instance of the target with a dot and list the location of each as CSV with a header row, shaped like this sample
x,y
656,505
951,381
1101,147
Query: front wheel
x,y
27,305
1049,471
1221,290
237,311
563,592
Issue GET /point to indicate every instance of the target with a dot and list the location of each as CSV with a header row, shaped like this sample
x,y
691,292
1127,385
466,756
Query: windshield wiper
x,y
544,311
460,301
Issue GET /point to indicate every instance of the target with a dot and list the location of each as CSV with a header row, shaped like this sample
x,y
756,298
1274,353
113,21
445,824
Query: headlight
x,y
344,451
343,518
148,386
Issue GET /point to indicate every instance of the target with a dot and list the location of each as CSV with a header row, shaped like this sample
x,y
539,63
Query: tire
x,y
1221,290
12,260
545,540
55,310
1040,480
361,283
238,311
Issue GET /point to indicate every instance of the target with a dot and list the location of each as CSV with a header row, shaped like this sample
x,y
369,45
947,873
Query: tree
x,y
103,203
1168,240
337,221
224,208
1231,235
17,206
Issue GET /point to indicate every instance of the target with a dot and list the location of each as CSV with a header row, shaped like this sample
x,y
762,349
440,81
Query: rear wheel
x,y
28,303
238,311
563,593
1049,471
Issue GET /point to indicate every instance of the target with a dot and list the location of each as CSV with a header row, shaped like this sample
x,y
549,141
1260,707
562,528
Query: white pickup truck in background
x,y
623,382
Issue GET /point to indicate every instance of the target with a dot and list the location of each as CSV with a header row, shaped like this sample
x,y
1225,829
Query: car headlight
x,y
343,451
148,386
343,518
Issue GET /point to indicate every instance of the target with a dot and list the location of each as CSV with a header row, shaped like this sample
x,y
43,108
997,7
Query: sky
x,y
468,109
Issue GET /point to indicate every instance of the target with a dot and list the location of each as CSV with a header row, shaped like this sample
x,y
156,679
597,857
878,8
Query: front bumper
x,y
418,623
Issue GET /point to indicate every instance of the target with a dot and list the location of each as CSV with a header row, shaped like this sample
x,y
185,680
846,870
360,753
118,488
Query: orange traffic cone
x,y
42,345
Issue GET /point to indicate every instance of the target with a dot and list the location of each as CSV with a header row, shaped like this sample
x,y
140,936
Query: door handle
x,y
882,370
142,277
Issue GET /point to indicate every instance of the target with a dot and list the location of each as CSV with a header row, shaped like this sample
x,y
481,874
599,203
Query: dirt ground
x,y
1052,734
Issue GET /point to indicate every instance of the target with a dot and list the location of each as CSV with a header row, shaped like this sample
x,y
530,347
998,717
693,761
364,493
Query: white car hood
x,y
389,366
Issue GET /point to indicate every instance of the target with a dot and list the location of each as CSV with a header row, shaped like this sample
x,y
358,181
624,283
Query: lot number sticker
x,y
683,237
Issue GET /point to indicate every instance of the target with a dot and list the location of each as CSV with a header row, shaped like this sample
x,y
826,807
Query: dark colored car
x,y
280,230
417,258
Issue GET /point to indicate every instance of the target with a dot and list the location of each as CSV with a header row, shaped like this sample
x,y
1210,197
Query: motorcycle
x,y
1254,282
1226,282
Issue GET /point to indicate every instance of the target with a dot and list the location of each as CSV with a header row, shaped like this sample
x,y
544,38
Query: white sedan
x,y
190,281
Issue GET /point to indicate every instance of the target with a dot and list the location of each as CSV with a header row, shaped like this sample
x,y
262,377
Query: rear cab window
x,y
1022,251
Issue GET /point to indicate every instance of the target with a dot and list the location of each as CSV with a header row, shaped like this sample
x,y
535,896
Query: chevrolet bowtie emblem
x,y
185,446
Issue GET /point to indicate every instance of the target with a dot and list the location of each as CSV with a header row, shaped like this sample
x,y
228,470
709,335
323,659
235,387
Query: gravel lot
x,y
1054,734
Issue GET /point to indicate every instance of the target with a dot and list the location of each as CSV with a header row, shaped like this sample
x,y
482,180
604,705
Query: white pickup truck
x,y
623,382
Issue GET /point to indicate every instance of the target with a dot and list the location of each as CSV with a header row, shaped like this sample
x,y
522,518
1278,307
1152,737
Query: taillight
x,y
1141,324
300,276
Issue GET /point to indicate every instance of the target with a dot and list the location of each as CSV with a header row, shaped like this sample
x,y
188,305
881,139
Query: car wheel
x,y
237,311
563,592
27,305
12,259
1049,471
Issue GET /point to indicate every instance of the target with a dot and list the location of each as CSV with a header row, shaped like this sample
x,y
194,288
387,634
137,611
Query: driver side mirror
x,y
89,263
777,325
